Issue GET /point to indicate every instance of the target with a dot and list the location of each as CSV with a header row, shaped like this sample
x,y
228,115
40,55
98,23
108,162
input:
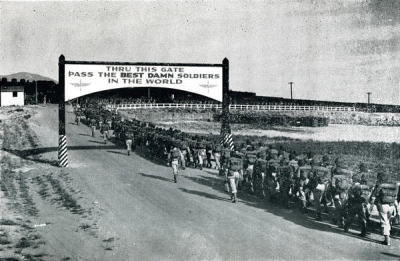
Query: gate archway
x,y
77,78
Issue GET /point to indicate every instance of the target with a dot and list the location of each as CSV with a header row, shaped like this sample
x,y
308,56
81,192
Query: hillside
x,y
27,76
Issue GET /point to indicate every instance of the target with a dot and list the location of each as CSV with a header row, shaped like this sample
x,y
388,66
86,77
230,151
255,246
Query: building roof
x,y
12,88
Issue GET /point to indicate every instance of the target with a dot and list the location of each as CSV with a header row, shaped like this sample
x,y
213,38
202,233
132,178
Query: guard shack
x,y
12,93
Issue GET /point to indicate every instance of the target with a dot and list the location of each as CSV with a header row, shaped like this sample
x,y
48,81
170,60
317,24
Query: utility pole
x,y
369,93
36,91
291,91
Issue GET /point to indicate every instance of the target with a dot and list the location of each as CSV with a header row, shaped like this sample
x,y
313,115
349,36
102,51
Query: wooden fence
x,y
232,107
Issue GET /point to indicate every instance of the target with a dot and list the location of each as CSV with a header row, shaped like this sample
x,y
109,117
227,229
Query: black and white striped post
x,y
226,136
62,138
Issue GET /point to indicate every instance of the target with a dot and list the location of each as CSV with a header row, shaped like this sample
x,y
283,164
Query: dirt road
x,y
128,208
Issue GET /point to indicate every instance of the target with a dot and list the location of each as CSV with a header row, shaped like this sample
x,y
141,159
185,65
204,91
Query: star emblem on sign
x,y
208,86
80,85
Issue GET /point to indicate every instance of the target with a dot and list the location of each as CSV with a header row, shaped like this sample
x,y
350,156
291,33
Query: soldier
x,y
217,155
272,178
235,164
341,181
201,151
77,118
109,122
310,157
174,156
250,160
302,184
93,124
357,204
209,152
325,161
384,197
183,147
193,152
105,131
286,182
260,170
293,162
321,176
225,155
129,141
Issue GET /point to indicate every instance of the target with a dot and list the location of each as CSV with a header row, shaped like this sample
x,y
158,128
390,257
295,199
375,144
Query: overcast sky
x,y
331,50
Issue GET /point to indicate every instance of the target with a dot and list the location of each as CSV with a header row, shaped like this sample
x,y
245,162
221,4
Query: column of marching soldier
x,y
267,171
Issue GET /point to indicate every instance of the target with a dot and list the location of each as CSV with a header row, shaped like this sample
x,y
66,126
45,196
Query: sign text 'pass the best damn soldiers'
x,y
83,79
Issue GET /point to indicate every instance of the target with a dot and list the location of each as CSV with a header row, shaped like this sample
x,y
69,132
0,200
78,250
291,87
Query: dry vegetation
x,y
24,185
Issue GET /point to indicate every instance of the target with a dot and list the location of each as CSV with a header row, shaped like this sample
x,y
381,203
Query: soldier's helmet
x,y
340,163
364,179
363,167
315,162
250,148
381,177
301,162
356,178
325,159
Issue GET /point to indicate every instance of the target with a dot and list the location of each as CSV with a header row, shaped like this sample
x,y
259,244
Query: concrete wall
x,y
7,99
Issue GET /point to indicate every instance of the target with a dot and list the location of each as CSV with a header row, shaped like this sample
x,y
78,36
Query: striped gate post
x,y
62,151
226,136
62,138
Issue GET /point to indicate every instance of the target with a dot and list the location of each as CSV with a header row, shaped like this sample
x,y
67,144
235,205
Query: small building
x,y
12,95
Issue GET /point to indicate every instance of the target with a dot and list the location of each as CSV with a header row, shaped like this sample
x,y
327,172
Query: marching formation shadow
x,y
34,154
117,152
390,254
293,214
148,155
204,194
156,177
98,142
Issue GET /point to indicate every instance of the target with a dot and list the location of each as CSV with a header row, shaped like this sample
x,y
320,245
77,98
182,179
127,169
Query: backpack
x,y
324,174
218,149
388,193
184,146
226,153
129,135
261,165
285,174
251,158
304,171
176,154
361,192
345,172
342,182
104,127
235,164
294,163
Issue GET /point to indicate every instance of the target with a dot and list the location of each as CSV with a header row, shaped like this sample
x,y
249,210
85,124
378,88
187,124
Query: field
x,y
335,117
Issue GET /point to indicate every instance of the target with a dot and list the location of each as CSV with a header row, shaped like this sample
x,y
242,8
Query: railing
x,y
231,107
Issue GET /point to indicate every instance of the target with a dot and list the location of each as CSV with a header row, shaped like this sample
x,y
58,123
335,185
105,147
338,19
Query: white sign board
x,y
83,79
